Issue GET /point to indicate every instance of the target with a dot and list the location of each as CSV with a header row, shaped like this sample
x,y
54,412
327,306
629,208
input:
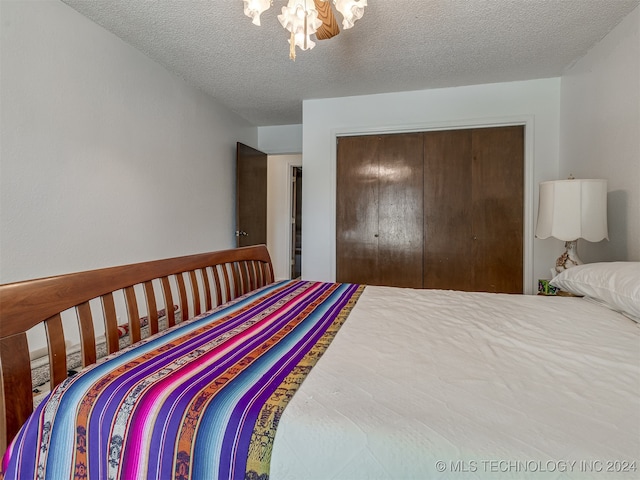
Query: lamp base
x,y
569,258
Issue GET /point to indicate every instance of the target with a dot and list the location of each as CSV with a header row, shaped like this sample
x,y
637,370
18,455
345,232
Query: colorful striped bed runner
x,y
199,401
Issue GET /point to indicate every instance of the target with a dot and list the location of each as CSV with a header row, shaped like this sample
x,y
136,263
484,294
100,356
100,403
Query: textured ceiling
x,y
398,45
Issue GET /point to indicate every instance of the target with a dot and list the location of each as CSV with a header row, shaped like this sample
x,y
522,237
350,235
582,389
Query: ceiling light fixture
x,y
303,18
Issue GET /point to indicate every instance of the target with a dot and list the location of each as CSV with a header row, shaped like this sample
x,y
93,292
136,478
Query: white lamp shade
x,y
573,209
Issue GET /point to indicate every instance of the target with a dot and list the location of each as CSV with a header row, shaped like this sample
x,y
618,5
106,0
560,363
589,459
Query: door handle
x,y
240,233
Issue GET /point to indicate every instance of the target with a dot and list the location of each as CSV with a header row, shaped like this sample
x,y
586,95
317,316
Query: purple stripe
x,y
192,386
236,446
27,440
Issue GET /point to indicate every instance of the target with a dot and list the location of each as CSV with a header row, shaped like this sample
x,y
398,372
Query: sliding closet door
x,y
357,210
448,225
400,221
379,210
498,208
473,209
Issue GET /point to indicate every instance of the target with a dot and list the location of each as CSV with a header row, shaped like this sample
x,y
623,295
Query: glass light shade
x,y
303,42
254,8
351,11
296,14
301,19
573,209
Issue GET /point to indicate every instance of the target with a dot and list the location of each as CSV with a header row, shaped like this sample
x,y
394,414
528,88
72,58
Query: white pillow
x,y
615,284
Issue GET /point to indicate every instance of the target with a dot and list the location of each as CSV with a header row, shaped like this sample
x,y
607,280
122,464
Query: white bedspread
x,y
490,385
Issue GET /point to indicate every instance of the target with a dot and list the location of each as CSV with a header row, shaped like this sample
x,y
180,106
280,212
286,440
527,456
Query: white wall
x,y
283,143
280,139
600,134
106,157
534,103
279,212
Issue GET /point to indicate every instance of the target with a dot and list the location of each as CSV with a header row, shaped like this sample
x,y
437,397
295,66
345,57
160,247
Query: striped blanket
x,y
199,401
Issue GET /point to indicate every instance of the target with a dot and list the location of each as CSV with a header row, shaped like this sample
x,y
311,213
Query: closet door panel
x,y
400,218
448,232
357,210
498,206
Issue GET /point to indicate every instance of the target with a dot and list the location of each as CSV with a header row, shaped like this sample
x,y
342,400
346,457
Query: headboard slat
x,y
110,323
152,308
253,278
168,301
217,283
227,283
207,288
132,312
237,284
87,334
246,276
196,292
16,401
57,350
260,276
182,291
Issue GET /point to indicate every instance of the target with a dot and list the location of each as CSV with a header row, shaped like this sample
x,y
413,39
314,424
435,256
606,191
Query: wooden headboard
x,y
196,283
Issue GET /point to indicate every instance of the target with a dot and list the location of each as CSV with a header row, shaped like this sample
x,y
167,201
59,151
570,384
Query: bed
x,y
378,382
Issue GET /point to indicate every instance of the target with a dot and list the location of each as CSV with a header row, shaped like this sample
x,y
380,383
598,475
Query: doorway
x,y
281,212
296,222
269,207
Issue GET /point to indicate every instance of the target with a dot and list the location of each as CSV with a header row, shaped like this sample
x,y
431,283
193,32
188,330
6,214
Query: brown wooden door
x,y
379,210
251,196
473,207
357,210
498,208
448,226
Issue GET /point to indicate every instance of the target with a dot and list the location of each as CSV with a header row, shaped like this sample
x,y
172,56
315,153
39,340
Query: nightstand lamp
x,y
569,210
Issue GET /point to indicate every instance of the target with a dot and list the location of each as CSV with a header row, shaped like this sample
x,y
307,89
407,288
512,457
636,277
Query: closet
x,y
439,209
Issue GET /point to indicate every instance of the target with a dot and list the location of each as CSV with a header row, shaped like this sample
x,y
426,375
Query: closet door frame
x,y
529,188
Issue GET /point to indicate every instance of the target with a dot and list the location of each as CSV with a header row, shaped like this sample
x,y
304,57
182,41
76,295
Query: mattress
x,y
442,384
